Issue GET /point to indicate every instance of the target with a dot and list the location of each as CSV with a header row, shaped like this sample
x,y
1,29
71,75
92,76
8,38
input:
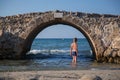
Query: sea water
x,y
54,54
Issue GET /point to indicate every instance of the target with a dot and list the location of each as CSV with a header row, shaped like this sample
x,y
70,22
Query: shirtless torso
x,y
74,47
74,50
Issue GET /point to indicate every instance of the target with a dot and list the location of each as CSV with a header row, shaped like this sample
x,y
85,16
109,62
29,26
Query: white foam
x,y
48,51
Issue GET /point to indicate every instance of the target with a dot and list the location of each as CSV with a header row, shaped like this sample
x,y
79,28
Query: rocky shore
x,y
62,75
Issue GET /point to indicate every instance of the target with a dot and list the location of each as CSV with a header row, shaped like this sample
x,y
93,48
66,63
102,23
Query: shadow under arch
x,y
29,40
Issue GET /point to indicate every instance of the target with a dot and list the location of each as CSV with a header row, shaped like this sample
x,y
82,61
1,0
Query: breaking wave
x,y
48,51
54,51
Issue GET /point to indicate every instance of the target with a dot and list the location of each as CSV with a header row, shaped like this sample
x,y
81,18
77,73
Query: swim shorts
x,y
74,53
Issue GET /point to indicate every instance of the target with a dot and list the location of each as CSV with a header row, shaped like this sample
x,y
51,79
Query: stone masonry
x,y
101,30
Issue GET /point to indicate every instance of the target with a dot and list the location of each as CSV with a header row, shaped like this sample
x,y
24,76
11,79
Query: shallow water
x,y
54,64
53,54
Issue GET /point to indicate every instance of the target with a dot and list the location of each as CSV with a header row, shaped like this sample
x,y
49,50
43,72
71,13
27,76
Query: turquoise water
x,y
54,54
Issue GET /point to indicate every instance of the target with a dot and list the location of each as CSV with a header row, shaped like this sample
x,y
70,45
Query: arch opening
x,y
55,42
39,28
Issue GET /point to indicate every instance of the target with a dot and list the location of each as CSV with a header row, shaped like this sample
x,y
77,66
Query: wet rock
x,y
7,78
90,77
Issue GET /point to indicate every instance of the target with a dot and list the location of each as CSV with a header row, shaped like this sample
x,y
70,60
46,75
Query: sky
x,y
14,7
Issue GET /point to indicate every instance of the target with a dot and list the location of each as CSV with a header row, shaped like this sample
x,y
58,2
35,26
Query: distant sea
x,y
54,54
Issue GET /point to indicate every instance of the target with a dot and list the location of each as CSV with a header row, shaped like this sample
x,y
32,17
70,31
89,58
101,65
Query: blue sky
x,y
13,7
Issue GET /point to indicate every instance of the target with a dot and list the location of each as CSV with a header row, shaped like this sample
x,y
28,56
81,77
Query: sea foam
x,y
48,51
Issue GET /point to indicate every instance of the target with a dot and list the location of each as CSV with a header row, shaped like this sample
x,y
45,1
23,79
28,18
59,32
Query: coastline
x,y
59,75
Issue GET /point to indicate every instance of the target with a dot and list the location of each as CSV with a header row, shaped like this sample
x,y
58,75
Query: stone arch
x,y
37,24
17,32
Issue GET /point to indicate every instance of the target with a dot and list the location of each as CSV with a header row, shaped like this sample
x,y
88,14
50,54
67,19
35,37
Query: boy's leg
x,y
72,59
75,59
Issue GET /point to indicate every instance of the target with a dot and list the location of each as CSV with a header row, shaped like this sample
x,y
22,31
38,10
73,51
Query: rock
x,y
118,53
110,60
1,32
90,77
114,53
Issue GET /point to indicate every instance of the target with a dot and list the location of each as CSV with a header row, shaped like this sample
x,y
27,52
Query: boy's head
x,y
75,39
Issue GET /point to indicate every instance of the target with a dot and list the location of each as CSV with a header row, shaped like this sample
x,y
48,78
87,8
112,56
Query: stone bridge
x,y
101,30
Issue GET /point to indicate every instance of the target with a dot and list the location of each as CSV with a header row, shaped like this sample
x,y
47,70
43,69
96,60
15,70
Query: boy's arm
x,y
77,49
71,50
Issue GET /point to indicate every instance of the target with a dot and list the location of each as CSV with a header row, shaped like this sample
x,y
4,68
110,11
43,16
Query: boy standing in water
x,y
74,50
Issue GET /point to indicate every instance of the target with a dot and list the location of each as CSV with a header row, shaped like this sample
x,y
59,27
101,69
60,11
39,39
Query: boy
x,y
74,50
